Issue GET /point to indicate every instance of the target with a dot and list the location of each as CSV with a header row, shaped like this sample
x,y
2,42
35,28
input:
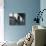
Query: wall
x,y
29,7
43,6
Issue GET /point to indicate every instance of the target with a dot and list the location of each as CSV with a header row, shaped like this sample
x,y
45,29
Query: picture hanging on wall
x,y
17,18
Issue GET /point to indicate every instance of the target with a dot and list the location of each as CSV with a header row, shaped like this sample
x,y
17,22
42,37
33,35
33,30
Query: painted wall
x,y
29,7
43,6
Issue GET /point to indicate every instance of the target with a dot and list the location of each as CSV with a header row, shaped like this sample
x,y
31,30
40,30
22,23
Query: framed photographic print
x,y
17,19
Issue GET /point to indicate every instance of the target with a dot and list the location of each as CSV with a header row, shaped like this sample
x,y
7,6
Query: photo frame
x,y
17,19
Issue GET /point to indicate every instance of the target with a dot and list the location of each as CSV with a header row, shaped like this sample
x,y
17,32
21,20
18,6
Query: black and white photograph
x,y
17,19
